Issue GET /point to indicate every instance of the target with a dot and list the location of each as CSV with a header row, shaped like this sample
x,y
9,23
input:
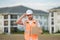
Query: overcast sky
x,y
35,4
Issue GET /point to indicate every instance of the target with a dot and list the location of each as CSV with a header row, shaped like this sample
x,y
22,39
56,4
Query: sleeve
x,y
23,20
38,24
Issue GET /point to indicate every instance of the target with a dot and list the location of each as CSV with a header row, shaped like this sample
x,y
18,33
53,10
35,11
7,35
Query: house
x,y
9,15
54,20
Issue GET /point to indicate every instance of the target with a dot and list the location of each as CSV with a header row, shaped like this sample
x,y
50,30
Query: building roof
x,y
56,9
18,9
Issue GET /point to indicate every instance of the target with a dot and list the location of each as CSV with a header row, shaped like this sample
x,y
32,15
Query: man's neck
x,y
30,19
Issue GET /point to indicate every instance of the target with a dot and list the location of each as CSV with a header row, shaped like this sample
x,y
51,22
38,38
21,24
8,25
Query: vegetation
x,y
16,31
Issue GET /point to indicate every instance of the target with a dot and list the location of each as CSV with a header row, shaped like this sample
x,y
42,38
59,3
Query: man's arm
x,y
19,21
39,27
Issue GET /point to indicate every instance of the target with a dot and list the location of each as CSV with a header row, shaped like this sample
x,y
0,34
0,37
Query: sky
x,y
34,4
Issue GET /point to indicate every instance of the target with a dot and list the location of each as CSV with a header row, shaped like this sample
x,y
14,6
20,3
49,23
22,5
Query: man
x,y
30,26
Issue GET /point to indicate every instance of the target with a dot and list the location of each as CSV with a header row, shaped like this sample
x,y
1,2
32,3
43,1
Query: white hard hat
x,y
29,12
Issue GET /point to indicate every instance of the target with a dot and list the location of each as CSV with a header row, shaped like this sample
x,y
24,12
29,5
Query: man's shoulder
x,y
33,20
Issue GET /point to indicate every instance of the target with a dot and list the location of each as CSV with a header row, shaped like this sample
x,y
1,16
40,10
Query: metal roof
x,y
19,9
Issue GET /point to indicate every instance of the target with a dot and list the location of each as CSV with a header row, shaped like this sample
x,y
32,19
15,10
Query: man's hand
x,y
19,21
24,15
40,31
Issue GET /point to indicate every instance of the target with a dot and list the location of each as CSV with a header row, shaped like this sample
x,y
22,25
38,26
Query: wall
x,y
1,24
